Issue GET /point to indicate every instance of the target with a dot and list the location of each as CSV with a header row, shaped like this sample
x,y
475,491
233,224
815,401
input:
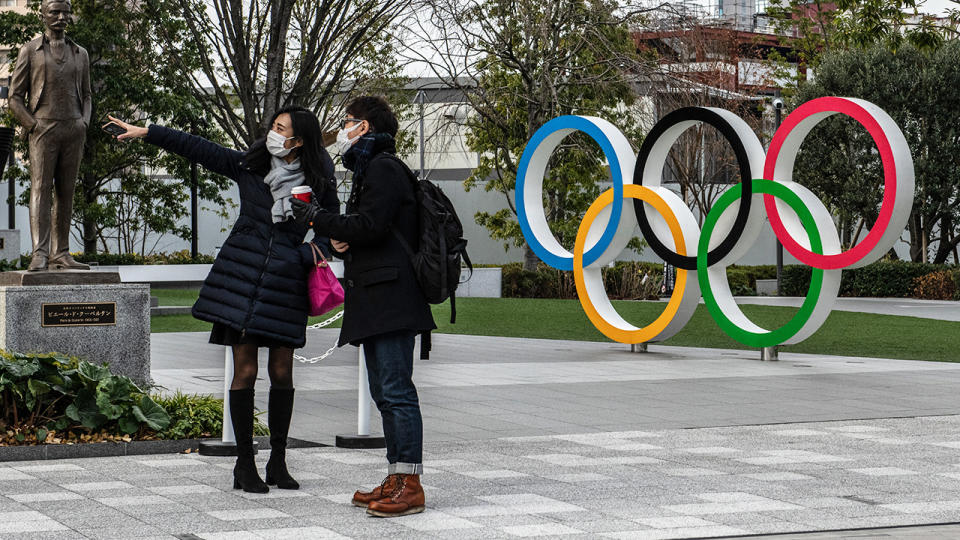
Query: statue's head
x,y
57,14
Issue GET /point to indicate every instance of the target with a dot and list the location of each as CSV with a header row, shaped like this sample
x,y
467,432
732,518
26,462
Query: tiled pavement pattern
x,y
477,388
684,483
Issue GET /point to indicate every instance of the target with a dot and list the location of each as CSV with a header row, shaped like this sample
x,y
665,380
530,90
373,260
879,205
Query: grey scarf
x,y
281,179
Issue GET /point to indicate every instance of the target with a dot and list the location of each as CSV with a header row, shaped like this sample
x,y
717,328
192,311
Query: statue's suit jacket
x,y
29,77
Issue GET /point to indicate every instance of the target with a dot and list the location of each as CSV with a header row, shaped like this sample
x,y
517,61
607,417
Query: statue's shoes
x,y
38,263
67,263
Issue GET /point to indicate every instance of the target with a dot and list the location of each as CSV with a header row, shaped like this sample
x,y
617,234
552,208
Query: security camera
x,y
778,103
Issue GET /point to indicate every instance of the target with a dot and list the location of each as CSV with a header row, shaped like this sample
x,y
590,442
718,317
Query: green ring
x,y
782,334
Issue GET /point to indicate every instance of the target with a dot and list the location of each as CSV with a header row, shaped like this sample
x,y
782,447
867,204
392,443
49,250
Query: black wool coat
x,y
381,292
258,283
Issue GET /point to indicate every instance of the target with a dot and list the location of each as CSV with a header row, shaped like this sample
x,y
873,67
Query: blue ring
x,y
578,123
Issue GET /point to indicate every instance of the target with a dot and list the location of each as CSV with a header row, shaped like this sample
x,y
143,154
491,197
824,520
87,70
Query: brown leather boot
x,y
364,498
406,498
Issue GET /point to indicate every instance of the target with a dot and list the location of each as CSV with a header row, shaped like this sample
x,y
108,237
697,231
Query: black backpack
x,y
442,249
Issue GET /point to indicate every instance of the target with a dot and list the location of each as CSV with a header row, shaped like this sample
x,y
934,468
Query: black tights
x,y
279,366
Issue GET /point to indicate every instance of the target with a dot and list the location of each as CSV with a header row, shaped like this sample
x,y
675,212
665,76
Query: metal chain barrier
x,y
329,351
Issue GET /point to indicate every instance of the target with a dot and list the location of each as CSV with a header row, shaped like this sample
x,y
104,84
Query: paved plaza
x,y
679,483
541,438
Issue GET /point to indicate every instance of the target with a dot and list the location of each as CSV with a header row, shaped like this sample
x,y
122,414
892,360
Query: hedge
x,y
883,279
114,259
625,281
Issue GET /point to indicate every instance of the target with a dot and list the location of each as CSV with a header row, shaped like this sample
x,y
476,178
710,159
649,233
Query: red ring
x,y
856,253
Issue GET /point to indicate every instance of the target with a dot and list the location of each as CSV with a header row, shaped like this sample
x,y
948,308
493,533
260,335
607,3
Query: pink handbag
x,y
325,291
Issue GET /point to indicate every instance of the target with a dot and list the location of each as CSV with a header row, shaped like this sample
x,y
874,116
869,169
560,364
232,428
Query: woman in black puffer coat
x,y
256,293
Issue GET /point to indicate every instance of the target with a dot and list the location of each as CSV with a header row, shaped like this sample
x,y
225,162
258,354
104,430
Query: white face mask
x,y
275,142
344,142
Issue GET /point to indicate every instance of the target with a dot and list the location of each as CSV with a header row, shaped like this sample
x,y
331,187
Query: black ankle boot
x,y
279,411
245,475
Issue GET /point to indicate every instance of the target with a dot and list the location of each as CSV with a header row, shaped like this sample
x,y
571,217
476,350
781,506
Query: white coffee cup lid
x,y
301,189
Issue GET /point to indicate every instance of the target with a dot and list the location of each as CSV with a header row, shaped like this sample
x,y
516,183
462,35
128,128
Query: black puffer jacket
x,y
258,281
382,293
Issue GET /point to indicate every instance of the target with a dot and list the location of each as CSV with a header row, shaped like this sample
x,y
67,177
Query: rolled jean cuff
x,y
405,468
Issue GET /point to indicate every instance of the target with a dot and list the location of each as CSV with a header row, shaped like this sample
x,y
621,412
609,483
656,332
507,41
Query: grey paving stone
x,y
115,521
51,535
112,533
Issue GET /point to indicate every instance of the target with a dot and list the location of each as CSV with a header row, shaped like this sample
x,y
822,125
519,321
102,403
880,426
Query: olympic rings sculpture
x,y
798,218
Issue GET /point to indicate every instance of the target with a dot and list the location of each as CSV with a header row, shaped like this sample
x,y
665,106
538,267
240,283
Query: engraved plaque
x,y
79,314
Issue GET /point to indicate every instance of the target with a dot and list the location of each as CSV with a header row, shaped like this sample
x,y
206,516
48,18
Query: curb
x,y
112,449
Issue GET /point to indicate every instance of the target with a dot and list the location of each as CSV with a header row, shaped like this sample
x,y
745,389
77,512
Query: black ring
x,y
698,114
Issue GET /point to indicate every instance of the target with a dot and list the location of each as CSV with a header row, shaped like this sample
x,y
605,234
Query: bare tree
x,y
258,56
701,67
518,64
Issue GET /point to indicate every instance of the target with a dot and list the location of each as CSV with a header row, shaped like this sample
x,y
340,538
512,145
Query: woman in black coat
x,y
256,293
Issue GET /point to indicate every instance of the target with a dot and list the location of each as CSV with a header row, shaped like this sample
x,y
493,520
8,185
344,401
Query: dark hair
x,y
315,162
376,111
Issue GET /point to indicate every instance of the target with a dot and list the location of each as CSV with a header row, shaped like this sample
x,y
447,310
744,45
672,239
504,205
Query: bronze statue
x,y
50,96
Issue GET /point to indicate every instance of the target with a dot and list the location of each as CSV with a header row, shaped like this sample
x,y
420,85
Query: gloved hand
x,y
304,213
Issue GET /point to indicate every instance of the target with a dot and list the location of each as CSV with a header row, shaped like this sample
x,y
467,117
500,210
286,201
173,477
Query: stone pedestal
x,y
9,244
99,322
23,278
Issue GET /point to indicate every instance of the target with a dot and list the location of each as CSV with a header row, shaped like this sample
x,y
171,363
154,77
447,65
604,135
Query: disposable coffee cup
x,y
304,193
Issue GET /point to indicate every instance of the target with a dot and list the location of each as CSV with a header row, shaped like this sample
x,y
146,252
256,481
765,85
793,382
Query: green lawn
x,y
847,334
175,297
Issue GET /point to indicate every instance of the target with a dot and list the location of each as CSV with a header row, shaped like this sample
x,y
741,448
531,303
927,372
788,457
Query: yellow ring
x,y
652,330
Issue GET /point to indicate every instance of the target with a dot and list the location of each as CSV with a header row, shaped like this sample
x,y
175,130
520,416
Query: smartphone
x,y
114,129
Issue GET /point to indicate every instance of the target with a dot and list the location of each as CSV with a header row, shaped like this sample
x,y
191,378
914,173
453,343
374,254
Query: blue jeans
x,y
389,360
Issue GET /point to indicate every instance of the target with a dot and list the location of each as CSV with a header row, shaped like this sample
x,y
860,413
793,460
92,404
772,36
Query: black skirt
x,y
224,335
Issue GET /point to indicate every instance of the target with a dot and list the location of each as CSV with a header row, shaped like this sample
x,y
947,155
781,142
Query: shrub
x,y
46,395
545,282
195,417
884,279
121,259
20,263
895,279
941,285
740,283
795,279
743,279
626,280
956,282
53,398
111,259
631,280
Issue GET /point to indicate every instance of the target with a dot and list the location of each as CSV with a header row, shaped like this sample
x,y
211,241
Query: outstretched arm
x,y
210,155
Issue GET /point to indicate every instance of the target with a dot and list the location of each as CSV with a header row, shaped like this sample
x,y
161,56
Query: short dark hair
x,y
376,111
